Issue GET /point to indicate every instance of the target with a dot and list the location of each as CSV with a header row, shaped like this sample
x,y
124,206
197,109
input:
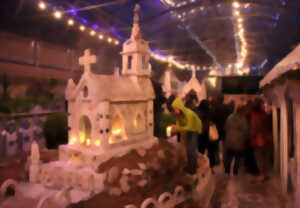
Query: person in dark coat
x,y
203,141
236,138
220,113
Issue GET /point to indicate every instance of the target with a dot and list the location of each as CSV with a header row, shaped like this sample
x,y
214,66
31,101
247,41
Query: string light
x,y
92,33
42,5
82,28
236,4
241,45
57,14
70,22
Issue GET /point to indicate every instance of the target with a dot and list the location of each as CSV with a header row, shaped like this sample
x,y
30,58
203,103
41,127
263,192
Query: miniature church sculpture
x,y
109,115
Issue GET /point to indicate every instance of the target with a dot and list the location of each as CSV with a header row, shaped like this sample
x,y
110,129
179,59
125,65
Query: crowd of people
x,y
244,133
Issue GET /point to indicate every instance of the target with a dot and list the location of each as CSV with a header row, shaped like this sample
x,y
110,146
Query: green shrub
x,y
56,130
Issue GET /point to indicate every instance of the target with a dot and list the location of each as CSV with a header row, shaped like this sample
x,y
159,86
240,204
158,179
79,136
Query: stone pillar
x,y
275,138
283,146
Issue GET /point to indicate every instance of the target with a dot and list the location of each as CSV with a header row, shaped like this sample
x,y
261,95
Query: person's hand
x,y
175,127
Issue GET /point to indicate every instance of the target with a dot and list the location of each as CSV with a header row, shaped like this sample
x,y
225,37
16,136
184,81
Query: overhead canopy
x,y
289,63
199,32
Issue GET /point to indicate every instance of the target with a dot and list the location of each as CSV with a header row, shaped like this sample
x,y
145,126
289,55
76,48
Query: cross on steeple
x,y
86,60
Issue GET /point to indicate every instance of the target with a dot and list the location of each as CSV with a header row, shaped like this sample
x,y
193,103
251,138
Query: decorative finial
x,y
136,33
136,13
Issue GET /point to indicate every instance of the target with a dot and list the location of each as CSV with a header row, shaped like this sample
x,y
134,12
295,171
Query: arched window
x,y
129,62
117,132
85,129
85,92
144,62
138,123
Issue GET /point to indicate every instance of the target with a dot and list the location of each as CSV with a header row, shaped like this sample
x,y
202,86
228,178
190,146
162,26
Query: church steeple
x,y
136,53
135,31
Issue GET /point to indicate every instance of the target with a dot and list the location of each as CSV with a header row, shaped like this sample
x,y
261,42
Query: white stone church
x,y
109,115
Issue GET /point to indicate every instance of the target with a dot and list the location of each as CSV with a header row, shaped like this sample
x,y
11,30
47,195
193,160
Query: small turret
x,y
136,53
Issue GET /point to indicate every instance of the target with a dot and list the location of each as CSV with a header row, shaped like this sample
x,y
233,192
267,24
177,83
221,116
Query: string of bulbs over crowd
x,y
241,45
58,14
239,67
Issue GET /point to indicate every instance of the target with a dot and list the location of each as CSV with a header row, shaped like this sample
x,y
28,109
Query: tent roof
x,y
290,62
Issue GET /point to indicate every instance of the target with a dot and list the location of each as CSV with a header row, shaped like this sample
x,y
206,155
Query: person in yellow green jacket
x,y
188,121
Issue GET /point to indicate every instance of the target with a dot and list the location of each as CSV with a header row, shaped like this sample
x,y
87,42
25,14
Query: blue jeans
x,y
191,150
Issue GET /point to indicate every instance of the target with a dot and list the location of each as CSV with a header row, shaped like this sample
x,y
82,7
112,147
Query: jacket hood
x,y
178,103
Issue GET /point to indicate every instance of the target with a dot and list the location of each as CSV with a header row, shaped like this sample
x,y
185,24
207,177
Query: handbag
x,y
213,133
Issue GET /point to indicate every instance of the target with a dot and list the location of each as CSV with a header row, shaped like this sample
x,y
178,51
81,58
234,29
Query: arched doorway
x,y
85,129
118,130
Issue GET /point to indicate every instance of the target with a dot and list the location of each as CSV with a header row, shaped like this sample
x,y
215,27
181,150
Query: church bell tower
x,y
136,53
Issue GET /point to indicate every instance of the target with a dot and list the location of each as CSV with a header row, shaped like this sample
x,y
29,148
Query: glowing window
x,y
85,129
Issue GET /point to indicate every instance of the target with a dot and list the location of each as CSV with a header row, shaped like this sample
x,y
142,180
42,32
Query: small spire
x,y
136,32
136,14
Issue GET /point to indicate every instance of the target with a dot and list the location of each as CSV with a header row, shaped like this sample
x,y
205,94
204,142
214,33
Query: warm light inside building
x,y
82,140
117,42
101,37
88,142
116,131
97,143
72,140
109,40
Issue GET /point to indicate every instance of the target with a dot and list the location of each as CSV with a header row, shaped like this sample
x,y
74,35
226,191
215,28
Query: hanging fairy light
x,y
42,5
57,14
81,28
92,33
70,22
241,45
